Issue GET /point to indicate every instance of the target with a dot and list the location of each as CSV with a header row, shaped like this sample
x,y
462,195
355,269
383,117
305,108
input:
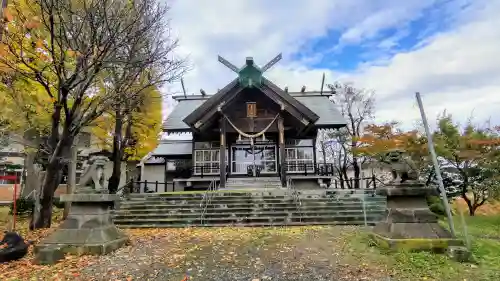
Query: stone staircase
x,y
253,183
248,208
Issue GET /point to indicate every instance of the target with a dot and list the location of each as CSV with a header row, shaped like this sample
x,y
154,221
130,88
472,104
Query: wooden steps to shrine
x,y
247,209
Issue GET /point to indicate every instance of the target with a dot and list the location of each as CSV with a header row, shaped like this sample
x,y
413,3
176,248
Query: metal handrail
x,y
207,197
125,190
296,197
364,210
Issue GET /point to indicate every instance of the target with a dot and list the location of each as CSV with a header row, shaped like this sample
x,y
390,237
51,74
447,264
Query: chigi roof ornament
x,y
250,75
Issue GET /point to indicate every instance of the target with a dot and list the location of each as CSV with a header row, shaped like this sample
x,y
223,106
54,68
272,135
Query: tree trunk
x,y
42,218
51,181
344,181
465,188
114,180
472,210
357,172
323,151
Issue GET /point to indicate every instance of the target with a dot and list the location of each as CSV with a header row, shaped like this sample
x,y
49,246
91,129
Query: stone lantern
x,y
88,228
409,223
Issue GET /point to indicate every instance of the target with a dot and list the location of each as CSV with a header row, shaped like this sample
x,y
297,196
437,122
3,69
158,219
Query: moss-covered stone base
x,y
415,244
409,224
52,253
88,230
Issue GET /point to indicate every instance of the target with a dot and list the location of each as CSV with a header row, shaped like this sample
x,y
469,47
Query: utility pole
x,y
436,165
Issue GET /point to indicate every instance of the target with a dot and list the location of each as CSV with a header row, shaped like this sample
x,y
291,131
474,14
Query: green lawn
x,y
430,266
478,226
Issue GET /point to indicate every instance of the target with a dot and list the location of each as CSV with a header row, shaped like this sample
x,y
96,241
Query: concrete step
x,y
200,194
251,205
269,182
254,179
250,208
261,183
257,192
253,198
259,213
246,196
249,219
153,199
228,208
276,192
252,224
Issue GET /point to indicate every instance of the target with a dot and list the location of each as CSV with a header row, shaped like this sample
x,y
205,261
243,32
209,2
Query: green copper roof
x,y
250,75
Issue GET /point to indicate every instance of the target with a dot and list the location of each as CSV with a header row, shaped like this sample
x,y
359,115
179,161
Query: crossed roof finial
x,y
250,74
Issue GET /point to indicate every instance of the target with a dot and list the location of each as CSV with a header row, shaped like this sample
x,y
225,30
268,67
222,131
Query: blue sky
x,y
342,55
447,50
345,56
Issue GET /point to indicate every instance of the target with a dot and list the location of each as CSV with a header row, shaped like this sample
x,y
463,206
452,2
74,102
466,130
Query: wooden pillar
x,y
165,172
315,164
222,153
281,143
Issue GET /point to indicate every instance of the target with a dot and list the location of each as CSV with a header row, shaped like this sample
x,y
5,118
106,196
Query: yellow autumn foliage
x,y
26,51
25,36
146,126
24,105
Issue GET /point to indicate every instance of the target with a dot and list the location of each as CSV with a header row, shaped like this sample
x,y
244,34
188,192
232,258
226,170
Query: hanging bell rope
x,y
249,135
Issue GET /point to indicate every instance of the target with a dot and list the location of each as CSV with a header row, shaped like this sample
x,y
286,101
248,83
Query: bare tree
x,y
132,81
357,106
68,48
324,146
331,150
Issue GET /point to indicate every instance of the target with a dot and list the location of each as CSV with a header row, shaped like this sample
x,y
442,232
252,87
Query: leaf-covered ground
x,y
290,253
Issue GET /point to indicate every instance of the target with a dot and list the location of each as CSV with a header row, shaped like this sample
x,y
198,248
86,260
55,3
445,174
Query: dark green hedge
x,y
436,205
25,205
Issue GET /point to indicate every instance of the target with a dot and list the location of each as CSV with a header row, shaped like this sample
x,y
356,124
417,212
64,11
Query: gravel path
x,y
231,254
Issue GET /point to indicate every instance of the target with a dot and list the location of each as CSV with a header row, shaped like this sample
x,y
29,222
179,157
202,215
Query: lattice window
x,y
207,161
299,159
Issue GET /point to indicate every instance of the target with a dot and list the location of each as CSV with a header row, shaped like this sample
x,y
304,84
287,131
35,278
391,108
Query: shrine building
x,y
251,133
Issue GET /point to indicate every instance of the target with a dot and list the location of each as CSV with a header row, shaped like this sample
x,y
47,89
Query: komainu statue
x,y
93,175
402,167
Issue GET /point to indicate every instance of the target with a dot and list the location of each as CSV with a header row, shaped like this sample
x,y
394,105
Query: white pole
x,y
364,210
436,166
466,232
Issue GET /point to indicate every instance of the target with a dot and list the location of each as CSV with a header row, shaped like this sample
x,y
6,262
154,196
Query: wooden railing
x,y
320,169
151,186
352,183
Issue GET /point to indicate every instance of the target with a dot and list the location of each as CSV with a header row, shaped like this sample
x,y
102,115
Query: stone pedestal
x,y
88,229
409,223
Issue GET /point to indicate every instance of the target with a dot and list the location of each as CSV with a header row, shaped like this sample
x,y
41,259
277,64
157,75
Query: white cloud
x,y
457,69
389,15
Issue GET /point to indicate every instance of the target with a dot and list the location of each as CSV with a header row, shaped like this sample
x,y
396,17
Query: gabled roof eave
x,y
313,117
194,116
